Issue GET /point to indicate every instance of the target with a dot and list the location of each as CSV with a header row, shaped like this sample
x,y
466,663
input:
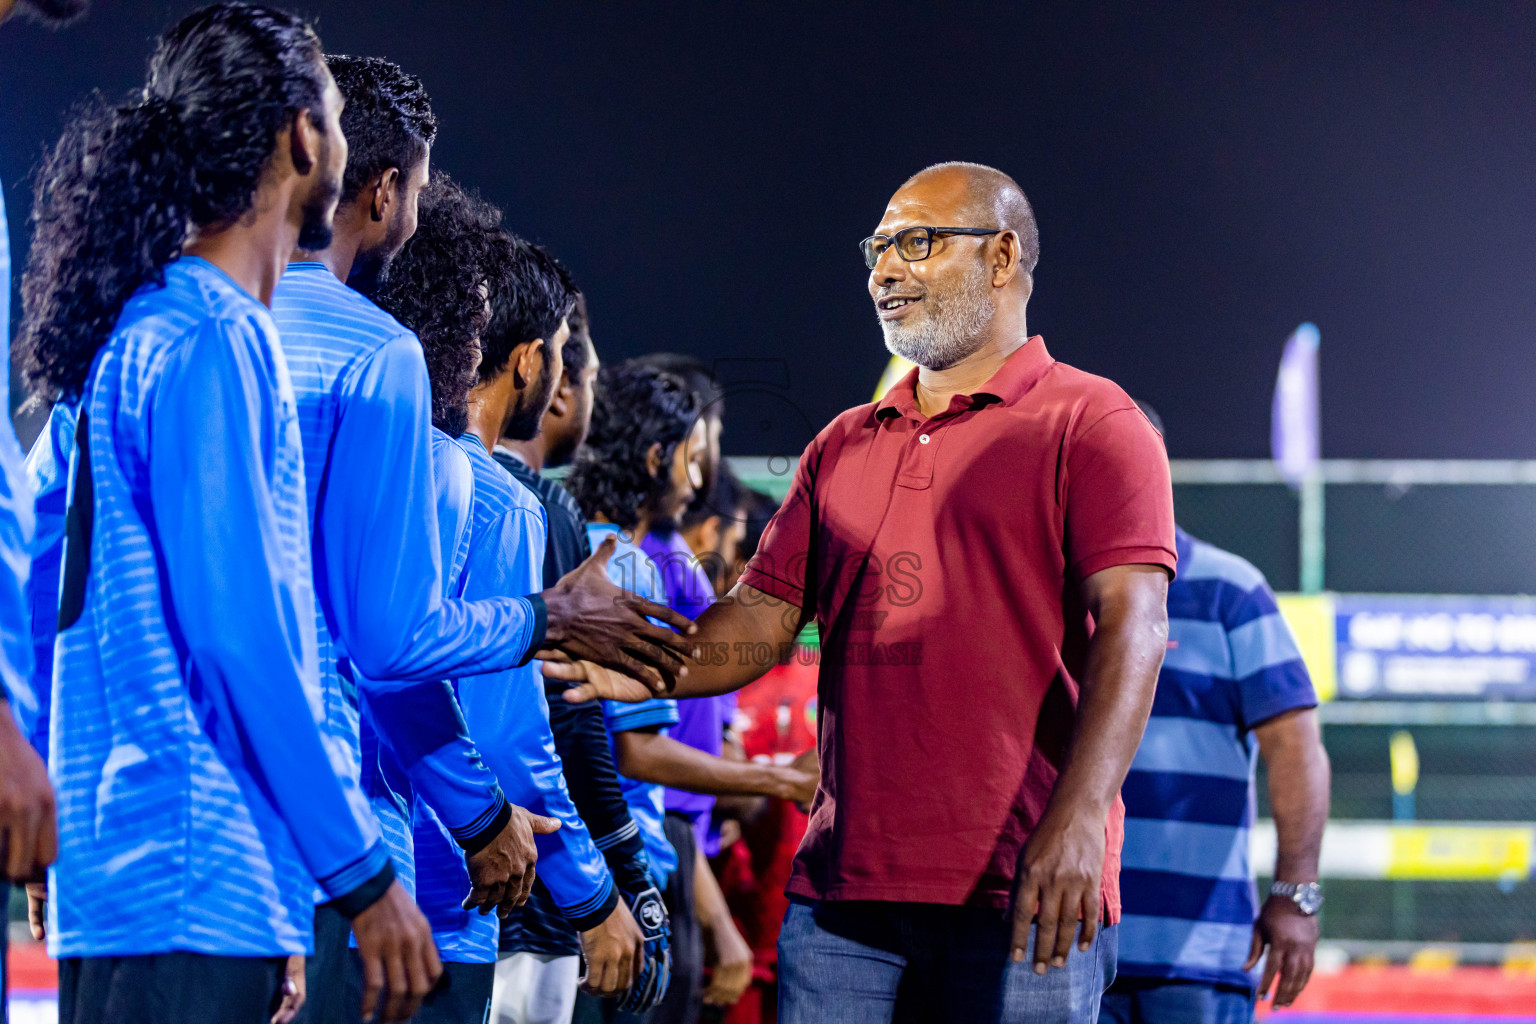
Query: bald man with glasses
x,y
987,552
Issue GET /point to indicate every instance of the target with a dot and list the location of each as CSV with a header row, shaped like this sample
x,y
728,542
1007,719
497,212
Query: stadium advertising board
x,y
1418,647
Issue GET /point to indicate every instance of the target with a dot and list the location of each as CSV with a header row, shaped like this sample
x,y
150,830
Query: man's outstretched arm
x,y
1063,859
652,757
745,616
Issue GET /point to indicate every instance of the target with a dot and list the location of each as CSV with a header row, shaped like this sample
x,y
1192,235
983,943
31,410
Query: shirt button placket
x,y
918,471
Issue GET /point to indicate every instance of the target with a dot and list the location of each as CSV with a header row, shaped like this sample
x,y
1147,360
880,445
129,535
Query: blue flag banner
x,y
1293,432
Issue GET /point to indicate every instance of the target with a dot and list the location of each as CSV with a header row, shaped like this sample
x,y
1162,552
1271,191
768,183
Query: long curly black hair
x,y
438,287
117,197
636,406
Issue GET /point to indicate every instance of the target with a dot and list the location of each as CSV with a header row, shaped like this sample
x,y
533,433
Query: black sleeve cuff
x,y
366,895
481,838
631,867
540,626
589,921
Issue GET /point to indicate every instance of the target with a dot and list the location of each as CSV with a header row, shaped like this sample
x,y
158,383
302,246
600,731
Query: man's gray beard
x,y
951,328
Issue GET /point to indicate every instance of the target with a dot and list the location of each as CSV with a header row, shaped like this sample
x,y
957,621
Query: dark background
x,y
1205,176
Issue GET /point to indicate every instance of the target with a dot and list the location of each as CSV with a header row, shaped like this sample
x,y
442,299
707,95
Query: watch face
x,y
1309,898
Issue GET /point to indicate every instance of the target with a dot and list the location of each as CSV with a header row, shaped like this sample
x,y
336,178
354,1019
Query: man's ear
x,y
709,533
304,141
1007,259
653,460
561,403
384,195
528,362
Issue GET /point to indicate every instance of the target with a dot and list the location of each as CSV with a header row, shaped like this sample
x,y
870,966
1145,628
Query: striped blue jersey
x,y
453,481
1185,879
632,569
509,719
387,638
47,468
198,799
15,530
452,476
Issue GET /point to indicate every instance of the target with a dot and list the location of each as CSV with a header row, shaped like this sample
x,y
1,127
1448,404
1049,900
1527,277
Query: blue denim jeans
x,y
1175,1002
920,963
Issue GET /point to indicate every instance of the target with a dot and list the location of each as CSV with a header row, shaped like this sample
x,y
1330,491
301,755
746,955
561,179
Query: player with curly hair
x,y
527,291
439,287
199,801
644,461
388,637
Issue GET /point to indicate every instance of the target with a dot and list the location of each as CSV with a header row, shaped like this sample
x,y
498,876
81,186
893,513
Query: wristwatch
x,y
1308,896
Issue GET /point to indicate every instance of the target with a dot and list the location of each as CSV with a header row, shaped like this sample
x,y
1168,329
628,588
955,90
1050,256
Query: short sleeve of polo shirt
x,y
778,567
1119,496
1266,661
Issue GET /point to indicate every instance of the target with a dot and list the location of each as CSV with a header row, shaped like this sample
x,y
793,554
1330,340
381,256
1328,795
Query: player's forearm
x,y
423,727
1129,640
651,757
732,634
709,904
1297,765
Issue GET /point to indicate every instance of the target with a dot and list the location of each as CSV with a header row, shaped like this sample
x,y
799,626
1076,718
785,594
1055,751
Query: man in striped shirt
x,y
1232,686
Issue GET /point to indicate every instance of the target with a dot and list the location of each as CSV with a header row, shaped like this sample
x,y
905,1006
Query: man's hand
x,y
28,841
1291,744
1291,938
1060,871
400,963
589,618
1062,863
501,875
293,990
613,950
37,909
732,963
653,969
808,764
596,682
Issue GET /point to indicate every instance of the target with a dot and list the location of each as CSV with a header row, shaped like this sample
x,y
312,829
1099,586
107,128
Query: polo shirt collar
x,y
1010,383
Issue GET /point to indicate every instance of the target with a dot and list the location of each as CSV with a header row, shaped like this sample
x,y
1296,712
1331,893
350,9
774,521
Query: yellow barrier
x,y
1311,618
1451,853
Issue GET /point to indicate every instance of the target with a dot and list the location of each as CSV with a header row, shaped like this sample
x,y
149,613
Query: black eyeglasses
x,y
912,244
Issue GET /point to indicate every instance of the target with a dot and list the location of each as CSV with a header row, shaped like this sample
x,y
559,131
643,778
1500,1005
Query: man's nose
x,y
889,268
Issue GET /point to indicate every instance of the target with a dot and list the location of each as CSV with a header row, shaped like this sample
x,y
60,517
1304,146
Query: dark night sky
x,y
1205,176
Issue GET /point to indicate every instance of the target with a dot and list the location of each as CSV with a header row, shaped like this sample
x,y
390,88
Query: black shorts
x,y
462,996
333,978
169,988
327,999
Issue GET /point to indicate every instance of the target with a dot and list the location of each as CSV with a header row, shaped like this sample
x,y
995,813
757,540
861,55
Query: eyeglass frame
x,y
932,233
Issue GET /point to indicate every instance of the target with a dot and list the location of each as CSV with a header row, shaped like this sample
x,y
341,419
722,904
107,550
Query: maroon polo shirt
x,y
942,559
